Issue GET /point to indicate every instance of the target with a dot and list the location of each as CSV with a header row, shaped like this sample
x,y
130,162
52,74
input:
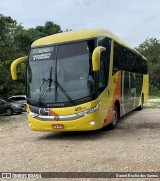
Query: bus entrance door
x,y
127,102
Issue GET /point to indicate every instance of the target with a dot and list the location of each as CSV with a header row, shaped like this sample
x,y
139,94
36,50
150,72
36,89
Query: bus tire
x,y
115,118
142,104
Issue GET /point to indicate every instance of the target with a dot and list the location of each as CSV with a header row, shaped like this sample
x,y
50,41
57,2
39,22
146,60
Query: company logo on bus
x,y
56,118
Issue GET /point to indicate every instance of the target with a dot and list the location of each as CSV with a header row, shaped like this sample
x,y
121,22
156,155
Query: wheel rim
x,y
8,111
115,116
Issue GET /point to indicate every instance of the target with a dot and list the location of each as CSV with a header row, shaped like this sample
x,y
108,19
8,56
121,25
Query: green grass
x,y
154,92
153,102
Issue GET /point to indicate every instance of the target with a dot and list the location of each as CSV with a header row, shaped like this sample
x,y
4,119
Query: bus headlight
x,y
88,111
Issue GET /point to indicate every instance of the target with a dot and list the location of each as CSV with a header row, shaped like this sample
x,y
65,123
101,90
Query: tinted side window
x,y
104,63
125,59
118,52
144,66
102,79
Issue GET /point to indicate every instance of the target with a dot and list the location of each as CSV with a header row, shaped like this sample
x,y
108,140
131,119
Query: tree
x,y
9,51
49,28
27,37
150,48
8,87
15,41
8,31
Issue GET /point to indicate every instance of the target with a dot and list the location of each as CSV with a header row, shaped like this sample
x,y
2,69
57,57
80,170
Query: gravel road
x,y
134,146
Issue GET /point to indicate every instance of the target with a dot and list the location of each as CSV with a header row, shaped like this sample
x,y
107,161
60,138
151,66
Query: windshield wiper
x,y
46,86
50,79
64,91
43,94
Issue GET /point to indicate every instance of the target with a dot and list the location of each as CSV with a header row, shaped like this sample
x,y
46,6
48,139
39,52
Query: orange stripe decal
x,y
52,113
117,96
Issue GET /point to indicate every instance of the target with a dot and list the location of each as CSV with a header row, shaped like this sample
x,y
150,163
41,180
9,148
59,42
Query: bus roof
x,y
70,36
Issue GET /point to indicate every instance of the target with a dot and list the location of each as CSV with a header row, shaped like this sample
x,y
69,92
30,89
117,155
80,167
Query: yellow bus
x,y
82,80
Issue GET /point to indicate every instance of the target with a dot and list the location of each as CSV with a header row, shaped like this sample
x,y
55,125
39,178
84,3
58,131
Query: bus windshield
x,y
60,73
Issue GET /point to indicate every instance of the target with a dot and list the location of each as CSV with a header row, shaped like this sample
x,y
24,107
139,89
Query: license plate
x,y
57,126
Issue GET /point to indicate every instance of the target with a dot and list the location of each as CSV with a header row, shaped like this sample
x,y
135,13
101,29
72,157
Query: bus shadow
x,y
127,116
73,135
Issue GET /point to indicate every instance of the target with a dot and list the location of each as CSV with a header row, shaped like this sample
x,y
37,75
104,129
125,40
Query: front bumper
x,y
88,122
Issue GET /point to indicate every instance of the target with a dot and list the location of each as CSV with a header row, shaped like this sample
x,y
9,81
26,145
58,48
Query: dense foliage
x,y
15,42
150,48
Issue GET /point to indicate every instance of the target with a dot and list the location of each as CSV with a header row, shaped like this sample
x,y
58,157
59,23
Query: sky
x,y
132,20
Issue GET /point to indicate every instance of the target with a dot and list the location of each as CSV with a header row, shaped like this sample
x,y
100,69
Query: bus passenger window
x,y
102,76
104,63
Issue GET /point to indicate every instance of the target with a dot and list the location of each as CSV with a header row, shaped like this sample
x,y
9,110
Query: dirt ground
x,y
134,146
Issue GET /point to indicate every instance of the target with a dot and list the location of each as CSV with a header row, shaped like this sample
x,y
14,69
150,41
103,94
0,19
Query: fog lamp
x,y
92,123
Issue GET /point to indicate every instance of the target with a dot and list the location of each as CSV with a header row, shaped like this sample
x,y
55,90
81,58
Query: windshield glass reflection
x,y
60,73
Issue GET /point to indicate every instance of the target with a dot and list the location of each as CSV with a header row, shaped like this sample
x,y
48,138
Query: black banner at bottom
x,y
39,175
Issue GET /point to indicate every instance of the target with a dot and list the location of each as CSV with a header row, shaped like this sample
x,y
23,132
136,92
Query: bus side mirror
x,y
96,57
14,66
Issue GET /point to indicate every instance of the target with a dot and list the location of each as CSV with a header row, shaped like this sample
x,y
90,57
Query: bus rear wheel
x,y
115,118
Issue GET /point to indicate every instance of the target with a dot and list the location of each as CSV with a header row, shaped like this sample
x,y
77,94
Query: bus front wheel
x,y
115,118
